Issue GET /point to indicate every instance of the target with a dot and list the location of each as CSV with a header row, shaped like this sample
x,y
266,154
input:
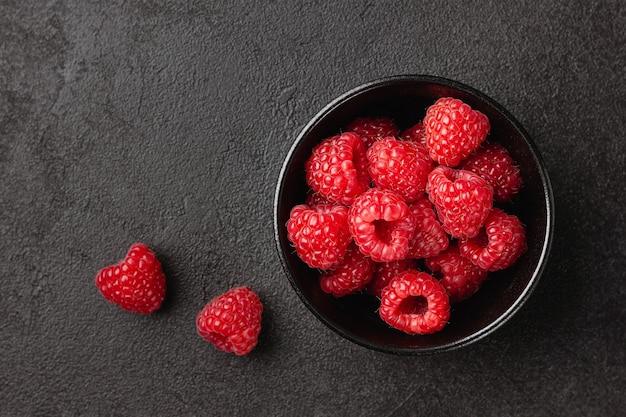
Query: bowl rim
x,y
547,192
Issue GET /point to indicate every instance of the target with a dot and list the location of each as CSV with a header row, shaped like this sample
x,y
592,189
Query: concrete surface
x,y
166,122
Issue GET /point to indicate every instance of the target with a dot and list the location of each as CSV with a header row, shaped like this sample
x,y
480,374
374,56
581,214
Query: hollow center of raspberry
x,y
482,239
384,231
414,305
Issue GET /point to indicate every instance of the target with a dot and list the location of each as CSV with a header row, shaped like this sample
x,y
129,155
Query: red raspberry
x,y
462,199
499,245
493,163
385,272
315,199
320,234
337,168
350,276
382,225
232,321
136,283
459,276
453,130
370,130
399,166
415,303
430,239
415,134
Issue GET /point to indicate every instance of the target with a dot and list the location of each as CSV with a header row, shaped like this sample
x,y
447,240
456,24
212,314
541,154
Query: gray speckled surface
x,y
167,121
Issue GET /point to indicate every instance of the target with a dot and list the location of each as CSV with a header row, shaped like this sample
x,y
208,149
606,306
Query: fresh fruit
x,y
453,130
232,321
499,245
136,283
430,239
382,225
427,193
320,234
385,272
462,199
402,167
315,199
352,275
415,134
459,276
415,303
372,129
337,168
493,162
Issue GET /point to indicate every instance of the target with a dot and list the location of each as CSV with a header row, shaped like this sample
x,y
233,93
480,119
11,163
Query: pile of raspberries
x,y
410,217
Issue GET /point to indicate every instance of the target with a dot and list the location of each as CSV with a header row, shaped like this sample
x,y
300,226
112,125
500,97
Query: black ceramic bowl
x,y
355,317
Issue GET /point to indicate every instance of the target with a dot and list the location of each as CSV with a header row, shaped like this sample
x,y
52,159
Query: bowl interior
x,y
405,99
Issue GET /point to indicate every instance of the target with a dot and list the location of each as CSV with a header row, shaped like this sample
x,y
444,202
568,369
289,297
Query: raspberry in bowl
x,y
429,215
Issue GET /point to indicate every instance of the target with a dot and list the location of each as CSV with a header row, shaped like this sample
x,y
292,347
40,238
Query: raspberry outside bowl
x,y
355,317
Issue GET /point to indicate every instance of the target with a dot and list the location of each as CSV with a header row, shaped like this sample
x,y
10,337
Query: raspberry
x,y
462,199
337,168
453,130
499,245
136,283
315,199
459,276
430,239
415,303
372,129
319,234
399,166
415,134
385,272
382,225
232,321
492,162
350,276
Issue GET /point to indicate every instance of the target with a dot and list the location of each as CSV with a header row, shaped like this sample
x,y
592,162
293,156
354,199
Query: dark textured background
x,y
167,121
